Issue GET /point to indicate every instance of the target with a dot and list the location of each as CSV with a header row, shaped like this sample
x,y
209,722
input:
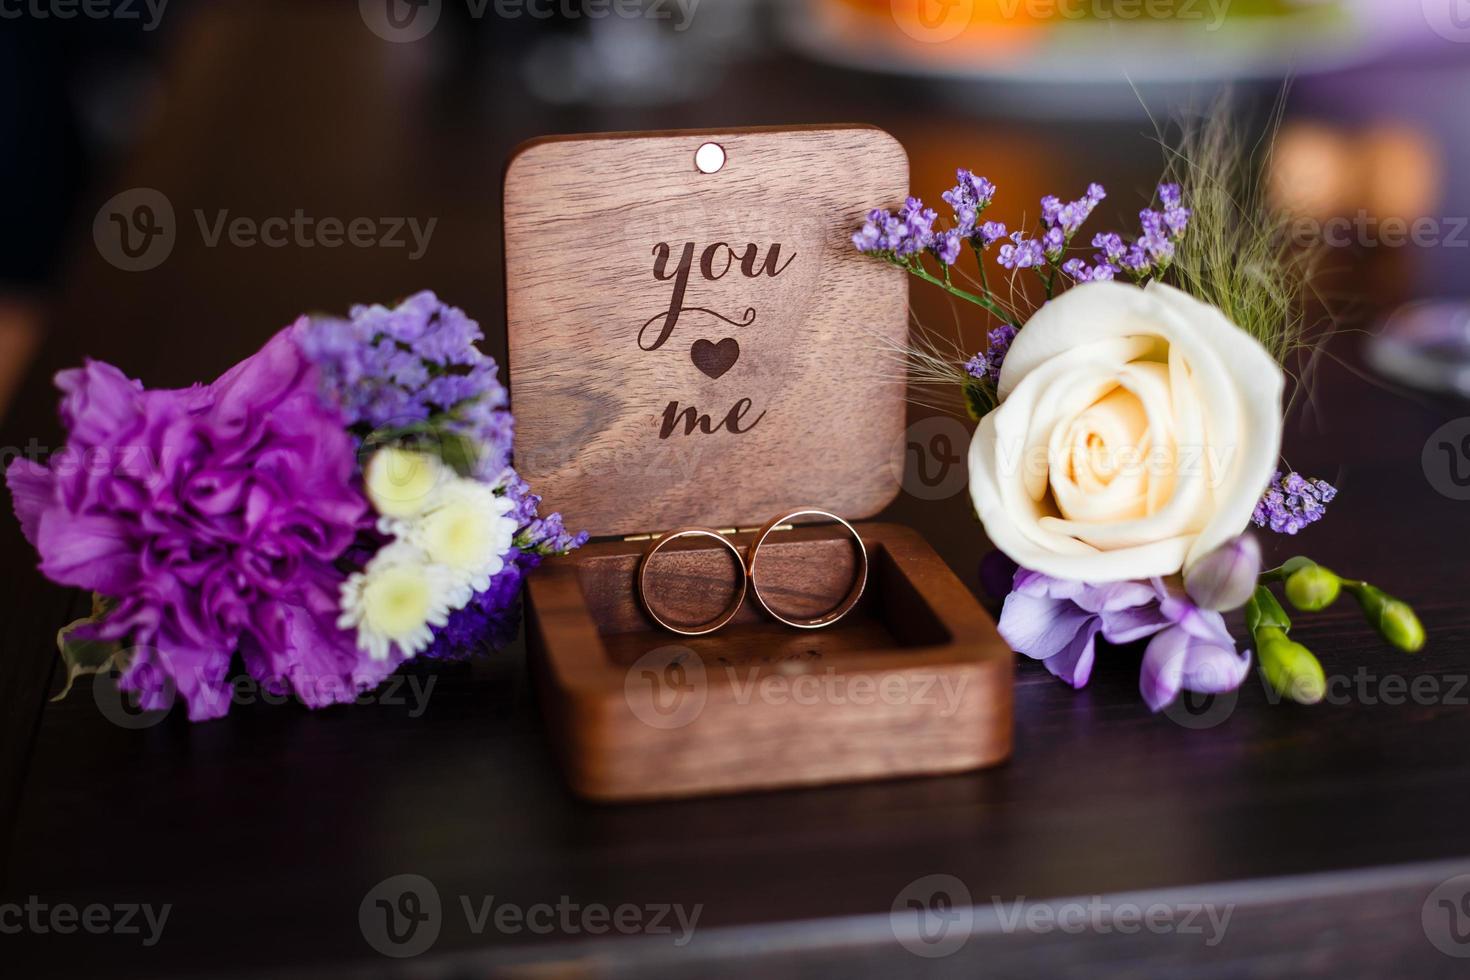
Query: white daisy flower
x,y
398,599
466,529
402,483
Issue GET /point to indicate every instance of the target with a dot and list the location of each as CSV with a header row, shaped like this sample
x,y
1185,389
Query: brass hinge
x,y
727,531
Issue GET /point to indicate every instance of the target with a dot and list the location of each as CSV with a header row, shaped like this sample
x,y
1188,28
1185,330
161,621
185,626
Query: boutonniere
x,y
1129,428
333,506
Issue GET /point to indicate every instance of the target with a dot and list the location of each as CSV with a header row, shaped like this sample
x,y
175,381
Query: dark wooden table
x,y
1323,830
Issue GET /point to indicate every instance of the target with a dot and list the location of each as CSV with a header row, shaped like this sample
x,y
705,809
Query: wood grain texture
x,y
914,681
774,328
266,829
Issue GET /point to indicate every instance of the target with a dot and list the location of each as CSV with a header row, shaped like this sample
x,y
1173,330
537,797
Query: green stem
x,y
980,264
985,303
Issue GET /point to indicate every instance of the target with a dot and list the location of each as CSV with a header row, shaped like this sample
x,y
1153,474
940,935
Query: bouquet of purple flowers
x,y
1129,428
338,503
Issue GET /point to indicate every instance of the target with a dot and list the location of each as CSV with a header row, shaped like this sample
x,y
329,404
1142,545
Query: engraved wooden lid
x,y
691,347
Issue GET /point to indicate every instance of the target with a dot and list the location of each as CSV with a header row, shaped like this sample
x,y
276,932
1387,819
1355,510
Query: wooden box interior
x,y
947,707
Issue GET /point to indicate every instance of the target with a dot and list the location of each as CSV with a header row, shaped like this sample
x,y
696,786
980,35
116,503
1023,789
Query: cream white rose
x,y
1136,430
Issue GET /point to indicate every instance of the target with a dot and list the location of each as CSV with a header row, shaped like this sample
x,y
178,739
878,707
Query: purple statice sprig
x,y
969,198
538,536
1147,257
412,374
986,365
982,372
909,237
906,238
1046,252
1291,502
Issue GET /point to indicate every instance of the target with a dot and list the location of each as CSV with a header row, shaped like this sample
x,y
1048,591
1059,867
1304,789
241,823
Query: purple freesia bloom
x,y
1194,651
1058,622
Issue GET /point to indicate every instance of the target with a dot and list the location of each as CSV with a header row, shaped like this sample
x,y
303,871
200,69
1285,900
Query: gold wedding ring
x,y
860,582
691,532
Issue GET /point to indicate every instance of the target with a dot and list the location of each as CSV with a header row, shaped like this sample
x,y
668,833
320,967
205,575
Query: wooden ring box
x,y
693,348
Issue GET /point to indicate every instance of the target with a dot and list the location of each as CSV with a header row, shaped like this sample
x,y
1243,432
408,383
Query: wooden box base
x,y
914,681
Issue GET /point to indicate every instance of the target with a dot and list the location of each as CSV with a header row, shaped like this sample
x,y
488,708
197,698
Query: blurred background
x,y
136,133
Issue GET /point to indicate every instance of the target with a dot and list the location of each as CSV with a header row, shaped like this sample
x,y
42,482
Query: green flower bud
x,y
1289,667
1312,588
1264,611
1394,619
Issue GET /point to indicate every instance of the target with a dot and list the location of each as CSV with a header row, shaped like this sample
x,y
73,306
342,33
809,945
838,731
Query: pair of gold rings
x,y
748,580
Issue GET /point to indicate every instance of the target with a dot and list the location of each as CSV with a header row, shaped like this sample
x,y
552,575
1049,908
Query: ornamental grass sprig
x,y
1241,258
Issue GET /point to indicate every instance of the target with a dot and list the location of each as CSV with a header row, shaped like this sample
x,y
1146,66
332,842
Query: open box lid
x,y
692,347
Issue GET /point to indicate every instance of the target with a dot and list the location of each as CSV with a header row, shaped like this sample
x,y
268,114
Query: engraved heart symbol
x,y
715,359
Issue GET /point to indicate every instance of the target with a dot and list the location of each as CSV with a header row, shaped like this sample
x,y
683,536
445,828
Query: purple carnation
x,y
214,516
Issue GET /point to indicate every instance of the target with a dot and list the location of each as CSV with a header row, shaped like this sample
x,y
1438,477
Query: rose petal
x,y
1219,376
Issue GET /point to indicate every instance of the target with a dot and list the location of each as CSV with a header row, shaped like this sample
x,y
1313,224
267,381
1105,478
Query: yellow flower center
x,y
396,602
400,483
459,535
